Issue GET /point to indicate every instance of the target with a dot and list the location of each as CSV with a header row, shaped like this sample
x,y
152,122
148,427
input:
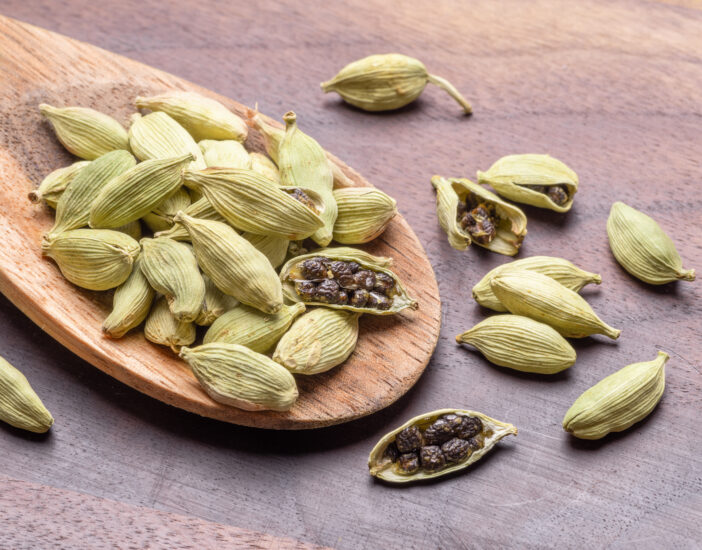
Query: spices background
x,y
610,88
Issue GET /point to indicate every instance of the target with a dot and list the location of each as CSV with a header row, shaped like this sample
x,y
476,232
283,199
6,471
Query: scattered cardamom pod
x,y
386,82
52,186
537,296
318,341
215,304
201,209
266,167
234,375
435,444
643,248
164,329
130,305
273,248
85,132
469,213
364,213
538,180
20,406
224,154
618,401
161,217
158,136
563,271
520,343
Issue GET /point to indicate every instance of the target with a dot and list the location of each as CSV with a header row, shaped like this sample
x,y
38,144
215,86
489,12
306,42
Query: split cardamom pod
x,y
520,343
158,136
215,304
234,375
618,401
224,154
538,180
273,248
643,248
20,406
534,295
130,305
52,186
161,217
387,81
469,213
435,444
364,213
266,167
164,329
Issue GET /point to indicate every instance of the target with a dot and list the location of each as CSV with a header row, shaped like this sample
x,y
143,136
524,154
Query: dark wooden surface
x,y
612,89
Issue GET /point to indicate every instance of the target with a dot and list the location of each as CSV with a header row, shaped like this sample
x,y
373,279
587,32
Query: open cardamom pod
x,y
161,217
158,136
364,213
53,185
20,406
224,154
130,305
164,329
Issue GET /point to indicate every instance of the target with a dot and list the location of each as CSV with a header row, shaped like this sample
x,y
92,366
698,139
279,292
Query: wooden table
x,y
611,88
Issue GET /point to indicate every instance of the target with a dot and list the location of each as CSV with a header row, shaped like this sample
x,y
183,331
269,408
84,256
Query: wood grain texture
x,y
42,67
610,87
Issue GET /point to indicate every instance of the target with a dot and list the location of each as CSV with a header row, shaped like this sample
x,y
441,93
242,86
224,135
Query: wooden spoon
x,y
40,66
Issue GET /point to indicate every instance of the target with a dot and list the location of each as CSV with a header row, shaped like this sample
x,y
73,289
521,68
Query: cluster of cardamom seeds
x,y
226,243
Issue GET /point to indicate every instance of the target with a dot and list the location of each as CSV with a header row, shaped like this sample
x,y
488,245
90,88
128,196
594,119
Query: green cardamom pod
x,y
469,213
642,247
266,167
215,304
96,259
161,217
164,329
537,296
85,132
364,213
273,248
234,375
618,401
130,305
224,154
520,343
52,186
563,271
318,341
201,209
133,229
538,180
20,406
157,136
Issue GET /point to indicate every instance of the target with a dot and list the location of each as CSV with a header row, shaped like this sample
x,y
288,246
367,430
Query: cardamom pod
x,y
252,328
136,192
203,117
130,305
201,209
172,270
133,229
224,154
470,213
234,264
164,329
618,401
273,248
73,207
85,132
435,444
266,167
643,248
215,304
52,186
520,343
563,271
318,341
161,217
252,203
345,278
364,213
20,406
538,180
236,376
96,259
537,296
158,136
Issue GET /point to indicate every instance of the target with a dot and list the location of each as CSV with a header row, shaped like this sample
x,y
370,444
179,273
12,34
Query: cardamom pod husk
x,y
164,329
158,136
618,401
266,167
215,304
537,296
20,406
201,209
161,217
643,248
520,343
52,186
364,213
224,154
273,248
235,375
538,180
464,437
130,305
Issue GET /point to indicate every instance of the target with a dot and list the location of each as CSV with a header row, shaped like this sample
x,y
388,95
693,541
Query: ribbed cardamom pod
x,y
520,343
266,167
215,304
158,136
618,401
318,341
85,132
133,229
234,264
52,186
273,248
643,248
387,81
73,207
130,305
470,213
538,180
563,271
164,329
96,259
364,213
252,203
20,406
203,117
435,444
252,328
171,269
161,217
224,154
234,375
537,296
136,192
201,209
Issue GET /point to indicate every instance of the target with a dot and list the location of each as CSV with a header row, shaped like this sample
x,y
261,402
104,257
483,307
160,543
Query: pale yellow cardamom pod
x,y
130,305
133,229
20,406
266,167
52,186
224,154
364,213
164,329
158,136
161,217
215,304
273,248
201,209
